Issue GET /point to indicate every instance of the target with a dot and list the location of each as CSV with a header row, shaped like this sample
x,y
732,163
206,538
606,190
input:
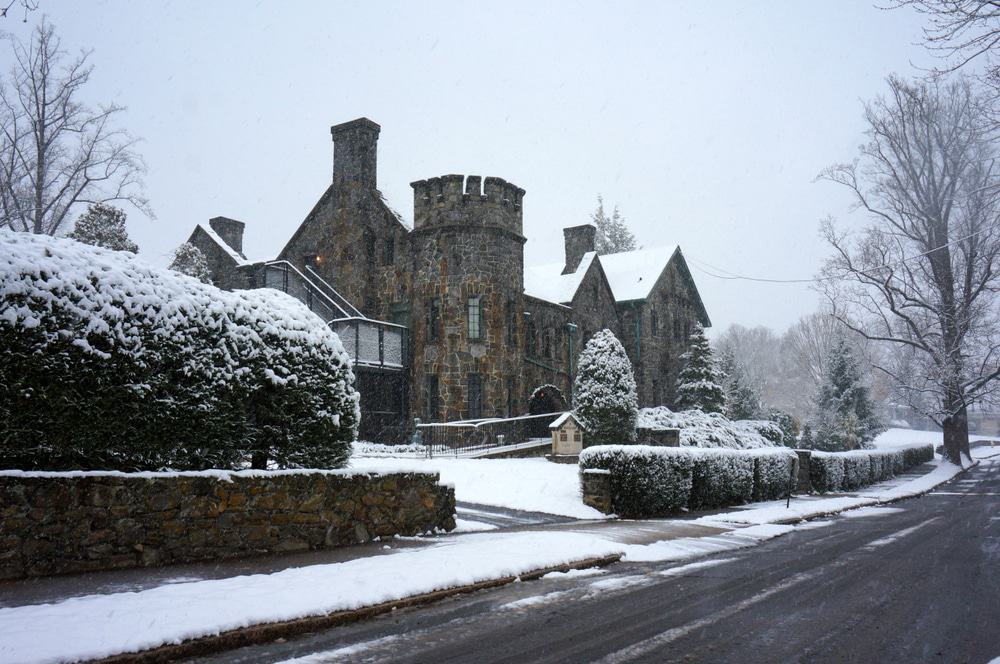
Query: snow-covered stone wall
x,y
55,523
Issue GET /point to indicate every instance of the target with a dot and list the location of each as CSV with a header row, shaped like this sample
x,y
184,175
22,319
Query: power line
x,y
732,276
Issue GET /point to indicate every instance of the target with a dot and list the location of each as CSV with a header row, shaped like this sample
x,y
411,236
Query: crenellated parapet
x,y
467,200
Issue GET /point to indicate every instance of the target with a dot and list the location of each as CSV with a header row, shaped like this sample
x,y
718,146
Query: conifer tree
x,y
698,385
846,417
103,226
806,439
742,398
190,260
604,393
613,235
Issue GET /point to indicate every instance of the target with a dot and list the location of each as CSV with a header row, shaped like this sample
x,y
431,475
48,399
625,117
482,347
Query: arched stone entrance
x,y
545,399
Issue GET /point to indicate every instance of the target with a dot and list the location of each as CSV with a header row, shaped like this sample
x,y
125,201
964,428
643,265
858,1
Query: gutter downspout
x,y
571,329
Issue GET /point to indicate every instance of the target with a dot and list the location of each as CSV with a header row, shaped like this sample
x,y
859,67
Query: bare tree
x,y
756,350
923,273
961,31
55,152
27,5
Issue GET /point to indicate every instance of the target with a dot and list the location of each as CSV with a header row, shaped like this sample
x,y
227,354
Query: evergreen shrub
x,y
109,363
848,471
654,481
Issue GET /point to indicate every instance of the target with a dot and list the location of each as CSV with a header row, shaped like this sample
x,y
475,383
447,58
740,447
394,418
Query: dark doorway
x,y
545,399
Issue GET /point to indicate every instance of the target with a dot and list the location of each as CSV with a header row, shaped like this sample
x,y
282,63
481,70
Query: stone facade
x,y
480,339
655,332
56,523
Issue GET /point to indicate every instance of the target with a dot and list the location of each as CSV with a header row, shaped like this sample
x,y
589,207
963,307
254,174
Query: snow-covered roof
x,y
235,255
559,421
547,282
632,274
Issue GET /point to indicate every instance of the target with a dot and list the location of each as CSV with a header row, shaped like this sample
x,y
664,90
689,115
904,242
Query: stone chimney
x,y
578,240
230,230
354,147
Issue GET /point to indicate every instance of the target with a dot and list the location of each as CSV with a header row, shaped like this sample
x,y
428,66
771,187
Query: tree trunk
x,y
259,460
956,436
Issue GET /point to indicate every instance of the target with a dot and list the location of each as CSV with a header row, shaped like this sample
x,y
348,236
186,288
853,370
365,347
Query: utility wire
x,y
712,270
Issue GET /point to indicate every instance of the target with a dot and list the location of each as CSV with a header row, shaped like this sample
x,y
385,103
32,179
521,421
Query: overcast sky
x,y
707,123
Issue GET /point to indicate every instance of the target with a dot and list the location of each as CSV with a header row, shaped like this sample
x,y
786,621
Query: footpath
x,y
167,613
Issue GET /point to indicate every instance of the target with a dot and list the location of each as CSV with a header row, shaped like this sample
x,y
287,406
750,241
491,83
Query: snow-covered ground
x,y
896,437
534,485
102,625
106,624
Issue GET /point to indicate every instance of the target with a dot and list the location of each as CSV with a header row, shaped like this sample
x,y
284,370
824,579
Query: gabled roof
x,y
559,421
237,257
632,274
547,282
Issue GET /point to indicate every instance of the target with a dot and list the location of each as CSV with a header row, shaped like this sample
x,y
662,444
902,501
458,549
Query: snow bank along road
x,y
916,581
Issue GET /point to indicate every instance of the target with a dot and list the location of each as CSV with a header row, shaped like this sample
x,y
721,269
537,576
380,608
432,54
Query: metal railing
x,y
368,342
372,343
470,436
283,276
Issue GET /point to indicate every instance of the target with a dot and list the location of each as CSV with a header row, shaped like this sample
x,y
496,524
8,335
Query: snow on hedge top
x,y
632,274
700,429
93,298
547,282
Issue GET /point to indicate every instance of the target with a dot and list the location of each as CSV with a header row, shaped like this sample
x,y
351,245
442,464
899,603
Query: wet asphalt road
x,y
918,581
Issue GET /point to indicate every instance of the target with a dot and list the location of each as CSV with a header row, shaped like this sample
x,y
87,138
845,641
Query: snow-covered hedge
x,y
364,448
721,477
771,474
700,429
109,363
653,481
849,471
826,472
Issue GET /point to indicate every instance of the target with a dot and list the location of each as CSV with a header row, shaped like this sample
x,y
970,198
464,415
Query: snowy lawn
x,y
897,437
535,485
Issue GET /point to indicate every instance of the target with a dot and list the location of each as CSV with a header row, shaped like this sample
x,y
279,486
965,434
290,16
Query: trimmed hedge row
x,y
849,471
653,481
109,363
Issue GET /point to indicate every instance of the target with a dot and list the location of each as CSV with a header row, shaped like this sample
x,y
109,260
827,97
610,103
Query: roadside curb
x,y
874,501
267,632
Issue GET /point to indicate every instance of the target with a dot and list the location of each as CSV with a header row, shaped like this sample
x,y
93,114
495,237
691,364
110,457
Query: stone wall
x,y
54,523
596,488
546,318
655,350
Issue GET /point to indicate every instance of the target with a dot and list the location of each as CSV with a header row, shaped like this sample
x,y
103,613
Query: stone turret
x,y
355,145
444,201
468,249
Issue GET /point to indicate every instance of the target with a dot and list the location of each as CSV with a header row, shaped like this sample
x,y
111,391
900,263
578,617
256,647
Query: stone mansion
x,y
443,320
